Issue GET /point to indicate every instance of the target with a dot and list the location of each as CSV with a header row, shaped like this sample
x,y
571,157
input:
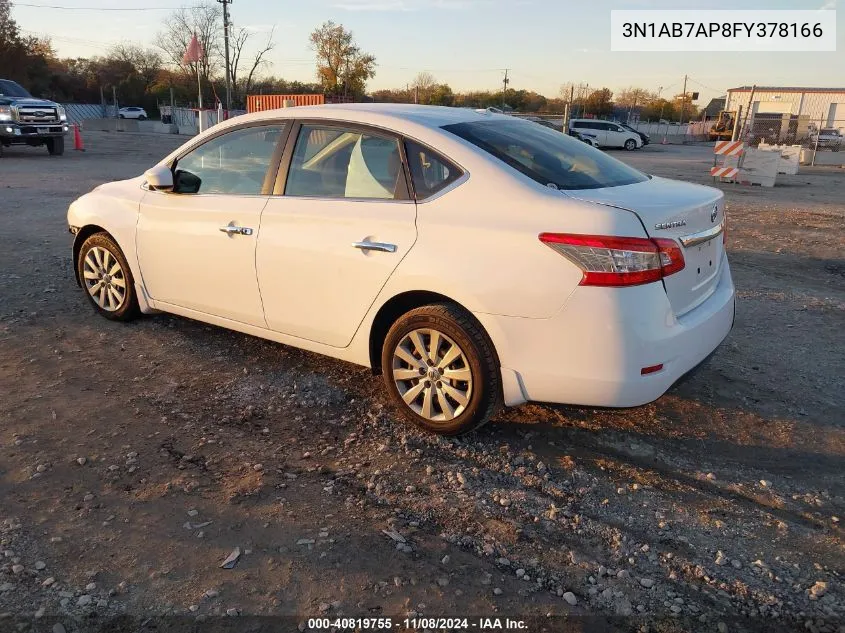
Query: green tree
x,y
659,109
684,106
342,67
15,55
600,103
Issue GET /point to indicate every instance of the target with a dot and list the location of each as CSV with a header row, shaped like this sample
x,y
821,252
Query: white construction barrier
x,y
790,157
756,167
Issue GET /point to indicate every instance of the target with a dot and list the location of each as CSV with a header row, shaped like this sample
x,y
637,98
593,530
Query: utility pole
x,y
226,25
505,83
684,101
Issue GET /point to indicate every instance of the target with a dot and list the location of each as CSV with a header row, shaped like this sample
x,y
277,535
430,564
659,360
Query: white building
x,y
825,107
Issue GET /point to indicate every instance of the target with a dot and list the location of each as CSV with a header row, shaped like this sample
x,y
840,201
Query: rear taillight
x,y
617,261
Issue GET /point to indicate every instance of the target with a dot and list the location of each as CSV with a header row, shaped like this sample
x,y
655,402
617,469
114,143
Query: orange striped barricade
x,y
731,156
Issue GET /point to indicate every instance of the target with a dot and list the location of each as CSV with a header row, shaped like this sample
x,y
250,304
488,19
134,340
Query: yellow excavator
x,y
723,129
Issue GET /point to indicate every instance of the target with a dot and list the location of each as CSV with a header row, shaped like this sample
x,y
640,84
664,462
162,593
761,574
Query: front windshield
x,y
11,89
549,157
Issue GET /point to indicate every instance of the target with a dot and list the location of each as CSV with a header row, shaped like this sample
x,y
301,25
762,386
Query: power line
x,y
64,8
695,81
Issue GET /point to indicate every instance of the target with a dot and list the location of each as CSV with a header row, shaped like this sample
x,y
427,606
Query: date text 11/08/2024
x,y
385,624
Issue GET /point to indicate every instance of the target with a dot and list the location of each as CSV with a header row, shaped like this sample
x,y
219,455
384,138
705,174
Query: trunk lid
x,y
690,214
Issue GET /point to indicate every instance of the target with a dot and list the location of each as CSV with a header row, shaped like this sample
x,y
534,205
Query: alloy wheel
x,y
104,279
432,374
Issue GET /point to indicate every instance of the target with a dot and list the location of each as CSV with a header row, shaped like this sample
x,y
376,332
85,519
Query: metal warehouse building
x,y
824,107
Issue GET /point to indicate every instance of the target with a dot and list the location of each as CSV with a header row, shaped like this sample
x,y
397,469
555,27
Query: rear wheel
x,y
107,279
55,145
142,118
441,370
630,145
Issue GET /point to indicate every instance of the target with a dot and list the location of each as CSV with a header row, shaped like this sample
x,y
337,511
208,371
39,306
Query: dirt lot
x,y
134,458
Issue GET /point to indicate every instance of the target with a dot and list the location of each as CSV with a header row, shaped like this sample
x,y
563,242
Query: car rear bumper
x,y
594,350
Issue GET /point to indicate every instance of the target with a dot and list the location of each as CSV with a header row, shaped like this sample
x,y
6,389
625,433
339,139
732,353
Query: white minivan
x,y
607,133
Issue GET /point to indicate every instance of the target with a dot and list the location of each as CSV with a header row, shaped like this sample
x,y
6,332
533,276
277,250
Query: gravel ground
x,y
135,458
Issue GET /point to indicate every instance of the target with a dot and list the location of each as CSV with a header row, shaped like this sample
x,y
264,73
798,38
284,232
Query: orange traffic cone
x,y
664,141
78,145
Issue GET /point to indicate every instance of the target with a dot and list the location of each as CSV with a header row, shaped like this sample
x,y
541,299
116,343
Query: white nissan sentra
x,y
471,258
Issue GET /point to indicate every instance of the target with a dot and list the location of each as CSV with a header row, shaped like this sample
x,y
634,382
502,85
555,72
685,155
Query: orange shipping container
x,y
259,103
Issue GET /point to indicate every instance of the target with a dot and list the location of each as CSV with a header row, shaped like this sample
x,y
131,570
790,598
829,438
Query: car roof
x,y
382,114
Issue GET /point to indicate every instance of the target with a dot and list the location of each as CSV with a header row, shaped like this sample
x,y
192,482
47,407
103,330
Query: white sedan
x,y
133,112
473,259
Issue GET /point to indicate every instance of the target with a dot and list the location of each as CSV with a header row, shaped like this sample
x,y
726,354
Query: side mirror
x,y
186,182
159,178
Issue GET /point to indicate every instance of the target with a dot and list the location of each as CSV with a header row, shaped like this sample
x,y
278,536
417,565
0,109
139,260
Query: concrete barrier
x,y
111,125
157,127
131,125
829,159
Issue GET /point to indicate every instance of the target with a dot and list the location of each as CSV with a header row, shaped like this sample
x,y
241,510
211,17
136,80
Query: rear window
x,y
546,156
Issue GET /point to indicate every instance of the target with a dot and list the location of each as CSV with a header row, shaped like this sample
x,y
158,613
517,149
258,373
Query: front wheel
x,y
106,278
56,145
142,118
441,370
630,145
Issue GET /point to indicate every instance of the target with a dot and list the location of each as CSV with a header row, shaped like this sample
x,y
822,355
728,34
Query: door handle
x,y
236,230
375,246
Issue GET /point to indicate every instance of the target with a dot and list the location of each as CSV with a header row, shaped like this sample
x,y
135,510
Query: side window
x,y
332,162
235,163
579,124
430,172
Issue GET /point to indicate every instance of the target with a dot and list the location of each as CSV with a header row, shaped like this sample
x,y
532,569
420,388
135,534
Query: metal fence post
x,y
818,136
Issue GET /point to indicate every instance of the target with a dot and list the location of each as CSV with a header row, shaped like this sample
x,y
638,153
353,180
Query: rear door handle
x,y
236,230
375,246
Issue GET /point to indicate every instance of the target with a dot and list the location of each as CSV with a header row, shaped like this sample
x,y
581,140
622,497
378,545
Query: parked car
x,y
133,112
25,120
472,259
827,138
608,134
645,138
545,123
586,137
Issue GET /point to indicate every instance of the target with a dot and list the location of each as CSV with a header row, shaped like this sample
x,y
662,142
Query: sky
x,y
465,43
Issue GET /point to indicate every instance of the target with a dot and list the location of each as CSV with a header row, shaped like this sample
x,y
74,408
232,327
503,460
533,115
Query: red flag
x,y
194,53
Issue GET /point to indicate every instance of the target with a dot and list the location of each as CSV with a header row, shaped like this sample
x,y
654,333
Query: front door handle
x,y
236,230
375,246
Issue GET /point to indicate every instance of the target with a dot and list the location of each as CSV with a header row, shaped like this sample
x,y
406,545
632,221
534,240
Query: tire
x,y
55,145
91,256
470,403
142,118
630,145
120,116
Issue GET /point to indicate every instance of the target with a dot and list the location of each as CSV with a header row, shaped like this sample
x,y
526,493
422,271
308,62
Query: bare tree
x,y
203,21
423,85
633,97
575,95
257,61
147,62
